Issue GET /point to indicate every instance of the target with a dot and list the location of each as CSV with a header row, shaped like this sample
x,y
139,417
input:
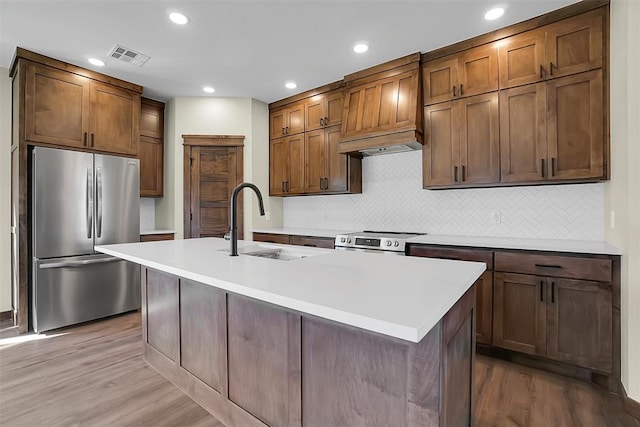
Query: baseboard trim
x,y
631,406
5,315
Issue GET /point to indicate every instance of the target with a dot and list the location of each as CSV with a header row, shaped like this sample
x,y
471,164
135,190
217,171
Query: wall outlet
x,y
267,216
496,217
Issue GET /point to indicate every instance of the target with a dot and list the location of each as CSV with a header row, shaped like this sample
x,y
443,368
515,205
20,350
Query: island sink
x,y
272,252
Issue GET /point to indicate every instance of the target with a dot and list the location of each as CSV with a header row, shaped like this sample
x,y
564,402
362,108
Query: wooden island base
x,y
250,363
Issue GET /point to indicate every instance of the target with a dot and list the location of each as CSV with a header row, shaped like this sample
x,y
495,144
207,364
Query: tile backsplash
x,y
147,213
393,200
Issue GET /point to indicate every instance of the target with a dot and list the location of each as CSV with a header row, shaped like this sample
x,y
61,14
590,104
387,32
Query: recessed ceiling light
x,y
208,89
96,61
178,18
494,13
290,85
361,48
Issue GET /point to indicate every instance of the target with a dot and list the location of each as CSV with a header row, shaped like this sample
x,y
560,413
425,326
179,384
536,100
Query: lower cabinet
x,y
156,237
561,319
286,239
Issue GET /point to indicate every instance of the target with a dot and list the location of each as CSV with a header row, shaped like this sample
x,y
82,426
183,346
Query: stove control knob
x,y
349,240
396,243
342,239
388,242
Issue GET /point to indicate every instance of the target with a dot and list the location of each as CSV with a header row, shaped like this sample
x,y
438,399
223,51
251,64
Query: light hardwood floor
x,y
94,375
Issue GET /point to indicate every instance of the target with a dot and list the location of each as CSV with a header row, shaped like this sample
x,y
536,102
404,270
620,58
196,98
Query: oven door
x,y
375,251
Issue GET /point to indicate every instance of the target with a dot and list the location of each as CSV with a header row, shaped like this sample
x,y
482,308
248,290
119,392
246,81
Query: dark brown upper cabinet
x,y
462,142
382,107
553,131
323,110
472,72
286,165
288,120
570,46
151,148
68,109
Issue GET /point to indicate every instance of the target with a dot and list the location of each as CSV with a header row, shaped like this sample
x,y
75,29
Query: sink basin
x,y
273,252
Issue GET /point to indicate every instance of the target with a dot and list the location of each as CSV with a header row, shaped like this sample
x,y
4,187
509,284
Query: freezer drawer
x,y
71,290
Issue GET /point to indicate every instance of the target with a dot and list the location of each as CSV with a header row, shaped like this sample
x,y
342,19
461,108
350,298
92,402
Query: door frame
x,y
192,141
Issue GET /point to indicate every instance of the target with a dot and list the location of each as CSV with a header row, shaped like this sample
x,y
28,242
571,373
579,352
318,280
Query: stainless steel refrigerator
x,y
80,200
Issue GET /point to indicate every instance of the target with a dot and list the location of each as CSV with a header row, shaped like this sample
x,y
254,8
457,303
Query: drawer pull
x,y
310,244
548,266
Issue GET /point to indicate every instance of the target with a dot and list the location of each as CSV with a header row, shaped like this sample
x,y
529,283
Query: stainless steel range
x,y
384,242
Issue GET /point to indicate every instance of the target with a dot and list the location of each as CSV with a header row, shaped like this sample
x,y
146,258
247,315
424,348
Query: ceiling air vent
x,y
125,54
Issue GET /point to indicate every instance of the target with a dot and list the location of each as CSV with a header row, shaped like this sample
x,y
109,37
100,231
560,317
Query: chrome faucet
x,y
233,233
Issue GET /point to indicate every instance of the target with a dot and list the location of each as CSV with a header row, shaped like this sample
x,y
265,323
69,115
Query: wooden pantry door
x,y
212,169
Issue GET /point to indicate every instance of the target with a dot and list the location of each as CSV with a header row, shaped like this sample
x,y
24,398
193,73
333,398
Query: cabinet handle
x,y
283,186
322,122
85,138
553,292
326,184
541,291
311,245
287,185
551,68
553,166
548,266
455,174
454,91
93,139
283,131
463,167
287,130
326,121
461,92
542,167
541,72
321,184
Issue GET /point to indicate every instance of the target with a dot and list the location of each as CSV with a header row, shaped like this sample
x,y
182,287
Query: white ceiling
x,y
245,48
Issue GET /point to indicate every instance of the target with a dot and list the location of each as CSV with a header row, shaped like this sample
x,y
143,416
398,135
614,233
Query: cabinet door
x,y
294,119
114,119
277,165
333,114
277,123
440,153
314,112
484,308
151,120
56,106
314,152
440,80
523,144
575,119
295,165
479,139
574,45
579,323
362,106
337,173
522,59
151,162
519,313
478,70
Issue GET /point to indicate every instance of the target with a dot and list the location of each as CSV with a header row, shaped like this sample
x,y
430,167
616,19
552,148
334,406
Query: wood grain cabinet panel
x,y
151,148
323,110
462,142
271,238
203,320
316,242
156,237
162,313
277,166
472,72
288,120
287,165
57,106
522,59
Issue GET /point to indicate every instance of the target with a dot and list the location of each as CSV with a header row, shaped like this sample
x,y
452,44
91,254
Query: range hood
x,y
382,111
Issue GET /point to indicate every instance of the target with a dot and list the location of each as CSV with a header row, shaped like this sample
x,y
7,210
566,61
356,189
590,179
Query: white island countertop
x,y
402,297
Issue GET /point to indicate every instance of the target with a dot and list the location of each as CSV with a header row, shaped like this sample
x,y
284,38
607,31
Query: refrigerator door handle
x,y
99,203
79,263
89,207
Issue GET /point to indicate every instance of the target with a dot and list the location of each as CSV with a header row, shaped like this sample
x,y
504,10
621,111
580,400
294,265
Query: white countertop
x,y
403,297
554,245
302,231
156,231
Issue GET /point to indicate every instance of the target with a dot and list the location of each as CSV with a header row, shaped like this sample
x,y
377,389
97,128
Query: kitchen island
x,y
315,338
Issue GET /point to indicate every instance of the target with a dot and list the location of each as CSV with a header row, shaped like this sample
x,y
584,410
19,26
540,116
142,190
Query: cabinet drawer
x,y
556,266
477,255
318,242
271,238
156,237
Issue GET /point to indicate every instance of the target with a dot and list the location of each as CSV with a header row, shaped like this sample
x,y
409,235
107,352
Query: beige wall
x,y
5,190
217,116
622,193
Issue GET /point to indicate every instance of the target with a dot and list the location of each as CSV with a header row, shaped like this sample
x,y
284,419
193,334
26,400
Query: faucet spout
x,y
233,233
